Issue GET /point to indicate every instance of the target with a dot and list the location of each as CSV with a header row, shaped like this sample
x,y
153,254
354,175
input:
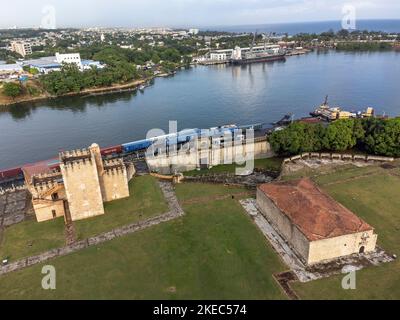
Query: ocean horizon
x,y
384,25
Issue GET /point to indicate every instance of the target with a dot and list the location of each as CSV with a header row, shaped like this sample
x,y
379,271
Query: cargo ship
x,y
265,53
260,57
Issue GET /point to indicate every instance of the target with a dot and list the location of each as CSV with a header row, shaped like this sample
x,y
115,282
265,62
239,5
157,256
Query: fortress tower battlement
x,y
45,186
84,182
78,157
114,166
114,181
51,177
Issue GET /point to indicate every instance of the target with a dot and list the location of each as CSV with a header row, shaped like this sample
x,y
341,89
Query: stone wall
x,y
187,160
114,185
82,189
328,249
44,209
338,156
286,228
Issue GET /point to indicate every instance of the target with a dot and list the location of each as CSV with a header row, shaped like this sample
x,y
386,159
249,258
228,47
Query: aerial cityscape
x,y
246,152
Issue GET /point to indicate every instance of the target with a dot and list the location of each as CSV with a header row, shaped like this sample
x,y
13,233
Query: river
x,y
202,97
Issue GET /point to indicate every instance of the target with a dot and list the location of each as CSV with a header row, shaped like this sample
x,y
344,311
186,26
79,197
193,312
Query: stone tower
x,y
80,171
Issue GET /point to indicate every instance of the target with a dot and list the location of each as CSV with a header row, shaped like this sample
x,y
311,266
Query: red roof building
x,y
318,227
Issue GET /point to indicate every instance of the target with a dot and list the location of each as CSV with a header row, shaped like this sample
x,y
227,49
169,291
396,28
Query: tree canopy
x,y
377,136
12,89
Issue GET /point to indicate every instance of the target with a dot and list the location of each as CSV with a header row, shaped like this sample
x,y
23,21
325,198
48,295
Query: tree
x,y
155,58
339,136
383,137
298,137
12,89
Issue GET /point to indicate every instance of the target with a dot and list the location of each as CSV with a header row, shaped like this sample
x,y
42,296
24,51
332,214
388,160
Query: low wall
x,y
338,156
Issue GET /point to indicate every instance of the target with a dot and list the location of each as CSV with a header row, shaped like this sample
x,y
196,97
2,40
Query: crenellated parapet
x,y
75,157
54,176
114,167
82,184
45,188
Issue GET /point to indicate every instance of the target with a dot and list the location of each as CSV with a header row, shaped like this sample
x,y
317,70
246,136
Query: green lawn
x,y
30,237
191,191
374,197
273,164
213,252
146,200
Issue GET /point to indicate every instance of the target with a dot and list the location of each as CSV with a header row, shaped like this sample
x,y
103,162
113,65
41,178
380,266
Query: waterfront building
x,y
21,47
218,56
79,187
10,71
315,226
69,58
48,64
237,52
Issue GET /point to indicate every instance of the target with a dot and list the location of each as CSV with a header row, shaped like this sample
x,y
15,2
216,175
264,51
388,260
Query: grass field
x,y
30,237
373,194
146,201
272,164
213,252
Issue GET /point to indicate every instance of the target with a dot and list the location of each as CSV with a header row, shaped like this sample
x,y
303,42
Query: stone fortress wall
x,y
206,155
85,181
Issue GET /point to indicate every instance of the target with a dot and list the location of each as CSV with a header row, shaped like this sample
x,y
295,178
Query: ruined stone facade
x,y
80,187
207,153
317,227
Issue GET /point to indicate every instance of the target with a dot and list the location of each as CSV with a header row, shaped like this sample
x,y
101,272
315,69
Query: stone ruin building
x,y
79,187
317,228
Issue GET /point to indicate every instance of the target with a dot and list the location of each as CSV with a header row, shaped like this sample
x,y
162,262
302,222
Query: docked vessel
x,y
328,113
264,53
261,57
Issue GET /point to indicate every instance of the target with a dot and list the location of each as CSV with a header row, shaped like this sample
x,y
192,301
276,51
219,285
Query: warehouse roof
x,y
316,214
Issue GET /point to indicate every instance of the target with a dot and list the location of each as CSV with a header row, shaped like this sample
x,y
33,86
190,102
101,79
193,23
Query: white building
x,y
48,64
69,58
218,56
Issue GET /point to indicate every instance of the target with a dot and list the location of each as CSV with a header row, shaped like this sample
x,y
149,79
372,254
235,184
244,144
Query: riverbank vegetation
x,y
377,136
364,46
122,66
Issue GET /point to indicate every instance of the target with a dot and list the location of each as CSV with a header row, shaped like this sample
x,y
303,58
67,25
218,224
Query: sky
x,y
184,13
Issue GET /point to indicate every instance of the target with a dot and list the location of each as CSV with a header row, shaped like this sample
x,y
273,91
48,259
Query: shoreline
x,y
126,87
130,86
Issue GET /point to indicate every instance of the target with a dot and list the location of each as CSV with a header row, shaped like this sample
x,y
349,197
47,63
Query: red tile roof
x,y
316,214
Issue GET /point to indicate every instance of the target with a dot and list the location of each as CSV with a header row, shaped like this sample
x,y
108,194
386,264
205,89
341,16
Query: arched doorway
x,y
362,249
